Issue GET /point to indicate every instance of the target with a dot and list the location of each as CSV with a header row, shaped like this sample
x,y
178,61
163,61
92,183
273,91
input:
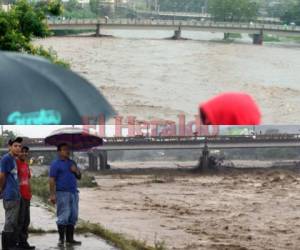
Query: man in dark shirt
x,y
9,188
63,177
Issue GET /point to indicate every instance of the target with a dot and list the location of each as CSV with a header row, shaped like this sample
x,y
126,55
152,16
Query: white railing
x,y
189,23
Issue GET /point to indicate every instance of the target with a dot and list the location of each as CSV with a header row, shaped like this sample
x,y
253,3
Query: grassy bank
x,y
40,189
71,32
292,39
117,239
271,38
234,36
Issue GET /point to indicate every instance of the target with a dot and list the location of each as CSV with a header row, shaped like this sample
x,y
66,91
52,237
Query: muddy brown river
x,y
149,77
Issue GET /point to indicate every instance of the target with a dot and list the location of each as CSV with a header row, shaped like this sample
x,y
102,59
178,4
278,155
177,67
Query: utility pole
x,y
206,6
156,5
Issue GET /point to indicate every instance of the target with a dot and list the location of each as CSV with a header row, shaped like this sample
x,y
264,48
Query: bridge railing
x,y
201,139
194,140
154,22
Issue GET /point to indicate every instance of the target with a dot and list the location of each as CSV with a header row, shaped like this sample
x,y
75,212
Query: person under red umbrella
x,y
231,108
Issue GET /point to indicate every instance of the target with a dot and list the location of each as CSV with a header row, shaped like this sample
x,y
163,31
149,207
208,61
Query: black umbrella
x,y
34,91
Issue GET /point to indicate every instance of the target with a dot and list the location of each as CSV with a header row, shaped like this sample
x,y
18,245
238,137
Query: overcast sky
x,y
41,131
32,131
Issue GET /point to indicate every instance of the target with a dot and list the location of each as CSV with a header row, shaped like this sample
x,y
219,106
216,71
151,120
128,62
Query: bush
x,y
40,187
23,22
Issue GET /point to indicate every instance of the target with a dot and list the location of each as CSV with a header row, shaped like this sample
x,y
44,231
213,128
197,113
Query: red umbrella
x,y
76,138
230,109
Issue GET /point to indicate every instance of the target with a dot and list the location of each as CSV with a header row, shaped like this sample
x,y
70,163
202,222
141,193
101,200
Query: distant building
x,y
5,7
84,2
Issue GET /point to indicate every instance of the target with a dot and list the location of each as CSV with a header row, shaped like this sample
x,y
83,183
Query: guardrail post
x,y
98,34
258,38
103,160
177,33
93,163
226,36
204,159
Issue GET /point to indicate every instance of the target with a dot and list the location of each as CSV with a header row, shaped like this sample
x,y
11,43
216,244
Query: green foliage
x,y
49,54
71,32
71,5
40,187
10,37
55,8
233,10
271,38
116,239
275,8
181,5
25,21
51,7
99,9
79,13
292,13
94,6
30,19
6,135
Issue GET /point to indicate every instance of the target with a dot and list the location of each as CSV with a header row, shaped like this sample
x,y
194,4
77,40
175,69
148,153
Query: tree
x,y
100,8
95,6
275,8
71,5
23,22
233,10
292,13
7,134
180,5
30,20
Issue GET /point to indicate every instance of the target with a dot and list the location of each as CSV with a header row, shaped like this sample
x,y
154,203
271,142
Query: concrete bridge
x,y
255,29
98,156
182,142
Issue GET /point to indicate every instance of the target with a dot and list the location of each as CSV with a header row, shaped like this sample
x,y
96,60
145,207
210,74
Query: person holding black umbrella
x,y
63,177
9,189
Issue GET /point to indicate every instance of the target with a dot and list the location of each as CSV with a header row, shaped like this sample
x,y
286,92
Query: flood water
x,y
145,75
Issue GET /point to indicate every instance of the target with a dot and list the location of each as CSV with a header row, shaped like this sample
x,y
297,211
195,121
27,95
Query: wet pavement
x,y
42,218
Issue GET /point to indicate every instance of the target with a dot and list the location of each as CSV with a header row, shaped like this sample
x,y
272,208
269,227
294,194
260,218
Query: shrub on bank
x,y
25,21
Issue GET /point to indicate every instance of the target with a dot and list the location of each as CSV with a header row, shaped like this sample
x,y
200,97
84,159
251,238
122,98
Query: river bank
x,y
43,231
98,236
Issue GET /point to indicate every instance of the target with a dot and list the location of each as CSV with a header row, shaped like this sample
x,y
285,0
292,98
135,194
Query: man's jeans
x,y
11,208
67,208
